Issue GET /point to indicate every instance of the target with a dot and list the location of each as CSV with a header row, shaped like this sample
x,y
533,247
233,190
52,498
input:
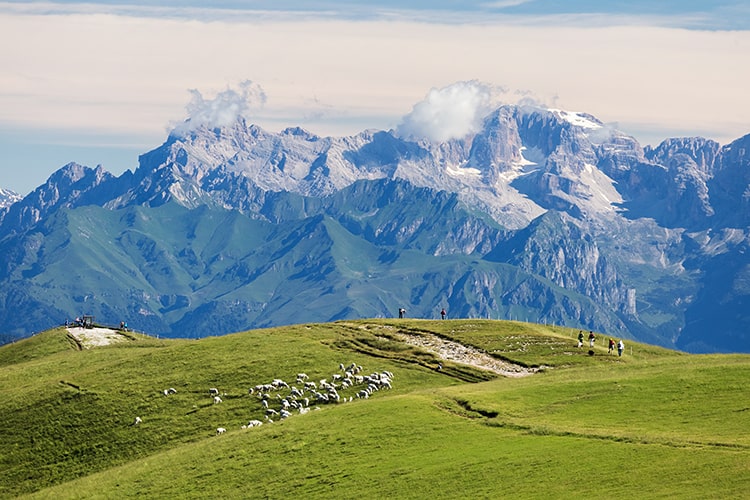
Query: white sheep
x,y
213,391
137,421
254,423
220,430
217,400
279,383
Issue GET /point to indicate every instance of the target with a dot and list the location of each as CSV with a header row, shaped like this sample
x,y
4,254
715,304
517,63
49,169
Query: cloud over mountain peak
x,y
224,109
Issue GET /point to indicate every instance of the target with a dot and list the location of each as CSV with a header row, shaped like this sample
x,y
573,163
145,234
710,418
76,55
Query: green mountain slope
x,y
585,425
189,273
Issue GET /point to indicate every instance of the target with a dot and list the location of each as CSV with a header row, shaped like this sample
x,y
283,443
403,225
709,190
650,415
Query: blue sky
x,y
102,82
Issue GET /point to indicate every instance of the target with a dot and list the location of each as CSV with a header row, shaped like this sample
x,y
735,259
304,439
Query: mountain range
x,y
541,215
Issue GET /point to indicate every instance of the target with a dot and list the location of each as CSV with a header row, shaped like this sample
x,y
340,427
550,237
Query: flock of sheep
x,y
279,399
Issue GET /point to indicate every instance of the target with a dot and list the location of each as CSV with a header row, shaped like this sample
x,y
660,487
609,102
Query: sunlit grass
x,y
652,424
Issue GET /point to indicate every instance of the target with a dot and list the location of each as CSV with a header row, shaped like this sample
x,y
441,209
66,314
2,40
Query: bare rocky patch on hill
x,y
95,337
468,355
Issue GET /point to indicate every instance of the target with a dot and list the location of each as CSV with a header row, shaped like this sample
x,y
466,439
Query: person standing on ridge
x,y
592,339
620,347
580,339
442,313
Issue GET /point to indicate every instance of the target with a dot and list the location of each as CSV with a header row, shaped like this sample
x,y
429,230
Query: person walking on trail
x,y
580,339
620,347
442,313
592,338
611,346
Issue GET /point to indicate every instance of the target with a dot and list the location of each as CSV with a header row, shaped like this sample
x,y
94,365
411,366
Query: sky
x,y
102,82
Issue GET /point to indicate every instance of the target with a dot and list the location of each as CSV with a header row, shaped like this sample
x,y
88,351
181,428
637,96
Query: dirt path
x,y
95,337
459,353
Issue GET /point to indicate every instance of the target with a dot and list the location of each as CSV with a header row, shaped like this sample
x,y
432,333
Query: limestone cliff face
x,y
556,248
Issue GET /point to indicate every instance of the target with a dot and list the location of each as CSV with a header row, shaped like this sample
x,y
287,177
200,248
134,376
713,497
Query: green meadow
x,y
653,423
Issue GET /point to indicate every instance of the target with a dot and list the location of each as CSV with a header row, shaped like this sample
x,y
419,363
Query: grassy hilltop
x,y
653,423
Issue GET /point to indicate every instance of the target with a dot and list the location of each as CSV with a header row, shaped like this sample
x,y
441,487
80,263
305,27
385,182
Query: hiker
x,y
620,347
580,339
592,338
442,313
401,312
611,346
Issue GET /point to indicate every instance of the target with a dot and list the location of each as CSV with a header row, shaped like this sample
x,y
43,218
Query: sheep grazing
x,y
137,421
170,391
281,400
220,430
278,383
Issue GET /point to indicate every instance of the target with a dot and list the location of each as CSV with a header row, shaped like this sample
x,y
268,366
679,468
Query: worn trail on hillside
x,y
468,355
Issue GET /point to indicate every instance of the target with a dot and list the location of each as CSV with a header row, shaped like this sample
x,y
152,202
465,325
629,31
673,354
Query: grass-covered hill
x,y
652,423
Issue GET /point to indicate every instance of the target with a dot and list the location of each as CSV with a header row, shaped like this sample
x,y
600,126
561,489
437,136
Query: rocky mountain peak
x,y
698,152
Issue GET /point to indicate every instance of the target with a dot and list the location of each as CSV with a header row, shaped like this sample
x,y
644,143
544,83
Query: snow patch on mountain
x,y
459,171
8,197
582,120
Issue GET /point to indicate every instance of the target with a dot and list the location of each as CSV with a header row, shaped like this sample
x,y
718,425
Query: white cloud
x,y
224,109
127,75
504,4
451,112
